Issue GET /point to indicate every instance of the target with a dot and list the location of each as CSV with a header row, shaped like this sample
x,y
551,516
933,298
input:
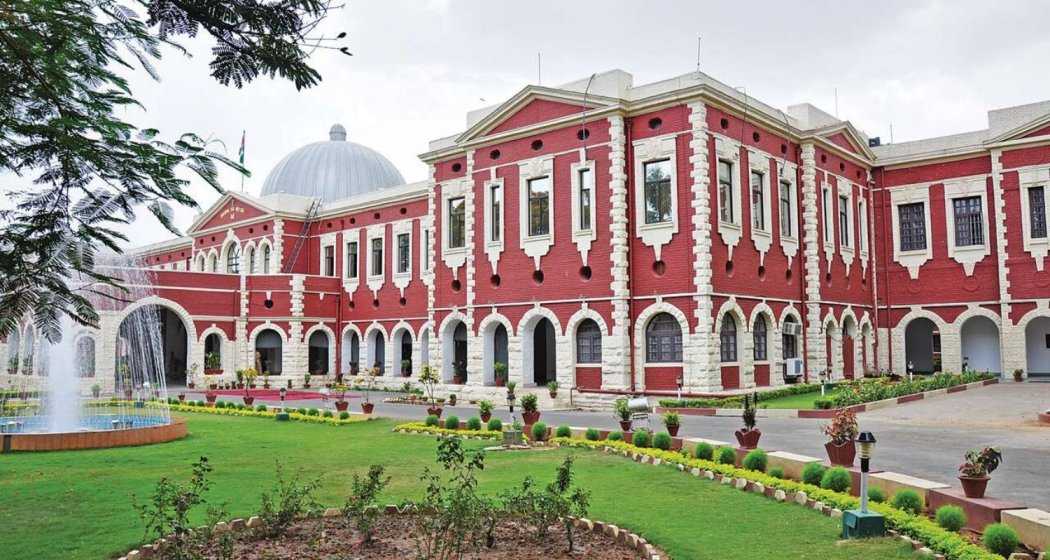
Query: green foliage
x,y
755,460
908,500
327,414
623,413
529,402
432,420
615,436
452,422
641,438
952,518
301,410
1000,539
876,495
361,506
750,415
704,451
542,508
726,456
485,407
981,462
495,425
823,403
868,390
168,512
474,423
592,434
813,473
563,431
539,431
777,472
288,500
344,415
262,408
738,401
672,419
836,479
662,441
449,517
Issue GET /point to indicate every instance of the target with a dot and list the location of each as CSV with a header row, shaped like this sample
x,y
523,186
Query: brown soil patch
x,y
336,539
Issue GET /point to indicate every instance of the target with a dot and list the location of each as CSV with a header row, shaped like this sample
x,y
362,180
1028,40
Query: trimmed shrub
x,y
704,451
452,423
876,495
823,403
563,431
1000,539
220,404
495,425
327,414
313,412
432,421
301,410
593,434
813,473
539,431
615,436
776,472
344,415
952,518
909,501
726,456
755,460
261,408
642,439
836,479
474,423
662,441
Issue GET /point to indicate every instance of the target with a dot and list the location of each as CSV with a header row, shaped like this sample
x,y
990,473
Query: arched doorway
x,y
351,352
1037,347
454,352
213,353
979,341
377,351
403,352
318,353
541,366
922,346
849,348
494,353
152,342
865,346
269,358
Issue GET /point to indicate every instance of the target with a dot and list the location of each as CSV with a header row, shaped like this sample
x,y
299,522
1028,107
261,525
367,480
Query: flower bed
x,y
952,545
737,401
293,416
851,393
421,428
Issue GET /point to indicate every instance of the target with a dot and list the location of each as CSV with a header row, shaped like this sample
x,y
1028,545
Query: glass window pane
x,y
457,223
539,206
657,191
758,201
377,257
912,222
586,180
969,226
785,209
1037,212
725,192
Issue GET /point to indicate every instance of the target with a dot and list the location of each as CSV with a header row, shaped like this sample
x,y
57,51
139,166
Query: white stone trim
x,y
327,240
847,243
248,267
583,238
535,246
454,257
700,188
494,248
352,235
758,162
375,281
645,151
967,256
1027,179
278,247
401,279
729,151
863,230
912,260
426,249
828,219
263,264
788,173
618,352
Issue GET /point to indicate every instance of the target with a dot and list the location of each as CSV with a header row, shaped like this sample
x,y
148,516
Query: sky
x,y
924,68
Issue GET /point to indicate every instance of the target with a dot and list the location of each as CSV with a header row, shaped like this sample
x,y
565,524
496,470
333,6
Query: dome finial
x,y
337,133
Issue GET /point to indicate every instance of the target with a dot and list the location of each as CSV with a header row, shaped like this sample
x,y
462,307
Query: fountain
x,y
56,408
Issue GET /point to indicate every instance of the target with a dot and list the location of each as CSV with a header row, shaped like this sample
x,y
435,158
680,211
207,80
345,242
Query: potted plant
x,y
428,379
842,430
125,379
973,474
460,375
485,410
623,414
499,373
370,378
452,399
748,436
1018,375
266,379
530,413
341,403
240,378
210,397
182,397
406,368
672,421
96,390
552,387
212,364
249,375
306,381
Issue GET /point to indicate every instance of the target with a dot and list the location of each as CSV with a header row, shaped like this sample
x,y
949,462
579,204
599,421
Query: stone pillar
x,y
1012,352
294,353
815,356
702,373
616,350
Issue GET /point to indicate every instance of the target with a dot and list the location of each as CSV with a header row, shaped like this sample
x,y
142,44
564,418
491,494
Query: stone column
x,y
816,350
703,373
1012,351
616,347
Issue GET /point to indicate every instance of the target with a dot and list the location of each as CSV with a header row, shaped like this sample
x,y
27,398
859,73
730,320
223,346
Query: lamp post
x,y
863,523
284,393
911,370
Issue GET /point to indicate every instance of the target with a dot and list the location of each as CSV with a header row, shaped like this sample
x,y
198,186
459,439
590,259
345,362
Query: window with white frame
x,y
426,250
760,336
251,261
969,222
377,257
912,222
725,192
457,222
786,210
329,260
233,259
266,259
758,201
351,259
657,191
844,229
825,214
404,253
862,215
663,340
1037,212
586,190
495,212
727,337
588,343
539,190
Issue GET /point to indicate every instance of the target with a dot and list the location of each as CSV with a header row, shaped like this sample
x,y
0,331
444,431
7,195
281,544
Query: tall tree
x,y
62,66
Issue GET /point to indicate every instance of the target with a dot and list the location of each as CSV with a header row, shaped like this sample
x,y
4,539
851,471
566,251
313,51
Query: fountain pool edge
x,y
96,439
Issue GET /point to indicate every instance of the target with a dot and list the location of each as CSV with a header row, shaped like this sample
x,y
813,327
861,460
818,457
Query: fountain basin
x,y
95,436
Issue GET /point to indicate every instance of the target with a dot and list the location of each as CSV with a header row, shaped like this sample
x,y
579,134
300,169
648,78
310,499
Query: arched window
x,y
201,263
233,259
268,352
266,259
789,338
86,356
588,343
663,339
213,353
318,353
251,261
728,338
759,334
213,263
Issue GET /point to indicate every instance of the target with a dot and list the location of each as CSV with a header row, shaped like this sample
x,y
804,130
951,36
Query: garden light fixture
x,y
861,522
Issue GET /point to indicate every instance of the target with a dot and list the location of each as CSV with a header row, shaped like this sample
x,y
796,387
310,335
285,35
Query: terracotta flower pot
x,y
210,398
486,416
182,397
341,405
367,407
554,394
531,418
974,486
841,455
673,430
625,425
249,400
748,439
434,411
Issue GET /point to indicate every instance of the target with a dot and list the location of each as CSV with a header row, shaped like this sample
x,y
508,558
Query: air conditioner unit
x,y
794,369
793,329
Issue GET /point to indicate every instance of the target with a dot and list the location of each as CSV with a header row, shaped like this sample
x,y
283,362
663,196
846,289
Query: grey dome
x,y
332,170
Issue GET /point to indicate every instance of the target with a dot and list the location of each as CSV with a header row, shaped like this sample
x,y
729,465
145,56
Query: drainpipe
x,y
800,216
886,261
628,152
874,272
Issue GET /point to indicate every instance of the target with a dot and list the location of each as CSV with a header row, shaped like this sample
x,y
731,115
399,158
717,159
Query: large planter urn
x,y
974,486
182,397
625,425
486,416
673,430
748,439
841,454
367,407
210,397
341,405
434,411
248,400
530,418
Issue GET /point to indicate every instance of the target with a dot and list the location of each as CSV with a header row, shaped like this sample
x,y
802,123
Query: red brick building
x,y
621,237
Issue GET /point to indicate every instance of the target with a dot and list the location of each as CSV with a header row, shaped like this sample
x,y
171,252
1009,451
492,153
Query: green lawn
x,y
77,504
803,401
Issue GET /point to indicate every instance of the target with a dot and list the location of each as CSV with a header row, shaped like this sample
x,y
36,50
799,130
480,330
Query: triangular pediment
x,y
846,137
533,105
1036,127
228,210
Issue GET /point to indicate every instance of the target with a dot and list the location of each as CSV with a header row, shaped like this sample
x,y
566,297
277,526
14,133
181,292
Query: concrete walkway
x,y
926,439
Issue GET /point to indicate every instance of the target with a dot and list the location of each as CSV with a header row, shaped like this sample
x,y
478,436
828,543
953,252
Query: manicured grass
x,y
78,504
802,401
